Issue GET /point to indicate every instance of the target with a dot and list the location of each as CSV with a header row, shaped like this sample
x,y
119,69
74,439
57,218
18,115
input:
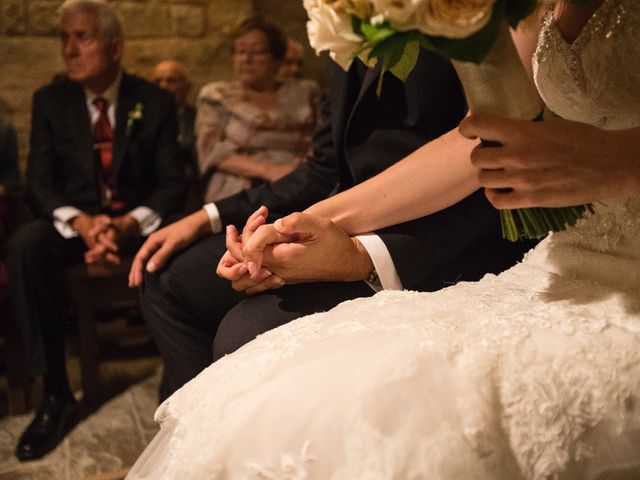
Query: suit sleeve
x,y
311,182
41,171
168,194
424,250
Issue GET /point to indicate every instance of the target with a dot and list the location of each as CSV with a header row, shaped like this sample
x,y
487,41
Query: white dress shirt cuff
x,y
382,261
148,220
61,218
214,217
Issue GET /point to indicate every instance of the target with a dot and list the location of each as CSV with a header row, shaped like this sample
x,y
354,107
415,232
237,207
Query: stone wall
x,y
194,31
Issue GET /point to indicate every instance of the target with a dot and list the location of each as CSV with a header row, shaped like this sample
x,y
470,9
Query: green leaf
x,y
392,47
407,61
376,33
425,42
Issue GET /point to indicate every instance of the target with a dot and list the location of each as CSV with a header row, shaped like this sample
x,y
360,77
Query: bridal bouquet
x,y
473,34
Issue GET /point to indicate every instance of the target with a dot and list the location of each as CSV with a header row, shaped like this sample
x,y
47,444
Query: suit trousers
x,y
37,257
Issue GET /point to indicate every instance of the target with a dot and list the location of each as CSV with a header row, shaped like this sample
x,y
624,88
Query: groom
x,y
186,305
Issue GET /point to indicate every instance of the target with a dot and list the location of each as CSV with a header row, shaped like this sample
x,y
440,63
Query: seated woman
x,y
531,374
256,128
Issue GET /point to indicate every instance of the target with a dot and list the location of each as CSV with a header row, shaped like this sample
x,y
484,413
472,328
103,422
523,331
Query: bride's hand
x,y
233,268
307,248
554,163
255,221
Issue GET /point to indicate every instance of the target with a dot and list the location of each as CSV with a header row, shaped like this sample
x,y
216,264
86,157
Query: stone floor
x,y
107,440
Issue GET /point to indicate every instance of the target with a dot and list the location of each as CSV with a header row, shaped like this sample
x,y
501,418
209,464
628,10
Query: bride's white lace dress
x,y
532,374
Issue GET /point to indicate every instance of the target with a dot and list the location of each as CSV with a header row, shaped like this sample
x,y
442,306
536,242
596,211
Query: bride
x,y
532,374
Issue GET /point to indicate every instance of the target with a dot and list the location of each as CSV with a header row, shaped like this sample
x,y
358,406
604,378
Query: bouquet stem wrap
x,y
500,86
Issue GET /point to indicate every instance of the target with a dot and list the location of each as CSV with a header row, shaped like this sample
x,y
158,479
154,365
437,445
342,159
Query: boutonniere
x,y
134,116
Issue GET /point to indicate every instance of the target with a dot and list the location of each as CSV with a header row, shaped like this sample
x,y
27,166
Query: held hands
x,y
296,249
104,235
232,266
554,163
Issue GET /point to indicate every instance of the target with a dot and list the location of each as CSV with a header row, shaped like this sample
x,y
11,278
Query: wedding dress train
x,y
531,374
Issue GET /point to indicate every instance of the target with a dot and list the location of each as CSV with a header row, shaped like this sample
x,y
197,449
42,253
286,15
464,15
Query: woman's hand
x,y
554,163
233,268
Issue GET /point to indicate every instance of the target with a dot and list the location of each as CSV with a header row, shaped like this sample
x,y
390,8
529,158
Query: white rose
x,y
453,18
330,30
398,12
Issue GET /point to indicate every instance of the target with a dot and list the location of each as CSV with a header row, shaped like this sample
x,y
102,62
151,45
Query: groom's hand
x,y
160,245
303,248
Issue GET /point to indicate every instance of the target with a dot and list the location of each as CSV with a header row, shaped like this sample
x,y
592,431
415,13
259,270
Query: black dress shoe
x,y
55,417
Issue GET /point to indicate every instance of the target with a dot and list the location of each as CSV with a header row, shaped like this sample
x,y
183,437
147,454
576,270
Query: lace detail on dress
x,y
292,467
524,382
615,225
550,409
592,91
603,24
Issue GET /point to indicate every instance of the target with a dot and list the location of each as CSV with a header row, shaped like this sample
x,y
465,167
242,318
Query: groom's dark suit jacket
x,y
362,135
63,170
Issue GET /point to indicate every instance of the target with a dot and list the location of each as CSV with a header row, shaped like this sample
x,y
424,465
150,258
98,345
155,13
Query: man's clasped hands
x,y
295,249
104,236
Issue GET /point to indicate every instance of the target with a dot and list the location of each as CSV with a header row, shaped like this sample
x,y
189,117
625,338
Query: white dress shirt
x,y
148,219
373,244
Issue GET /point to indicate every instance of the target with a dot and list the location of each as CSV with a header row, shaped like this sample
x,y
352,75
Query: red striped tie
x,y
103,138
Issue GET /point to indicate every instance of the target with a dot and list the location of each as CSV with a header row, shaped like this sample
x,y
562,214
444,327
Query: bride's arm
x,y
430,179
434,177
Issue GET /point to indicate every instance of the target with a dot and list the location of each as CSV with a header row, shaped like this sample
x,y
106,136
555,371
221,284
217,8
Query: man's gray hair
x,y
108,21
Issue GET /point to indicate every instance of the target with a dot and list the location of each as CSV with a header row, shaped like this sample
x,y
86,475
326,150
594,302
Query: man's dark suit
x,y
362,135
62,170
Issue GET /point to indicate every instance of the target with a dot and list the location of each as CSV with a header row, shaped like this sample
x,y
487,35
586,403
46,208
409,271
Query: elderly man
x,y
102,172
172,76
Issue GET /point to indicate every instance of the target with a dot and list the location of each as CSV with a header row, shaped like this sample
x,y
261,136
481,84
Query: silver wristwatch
x,y
373,279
